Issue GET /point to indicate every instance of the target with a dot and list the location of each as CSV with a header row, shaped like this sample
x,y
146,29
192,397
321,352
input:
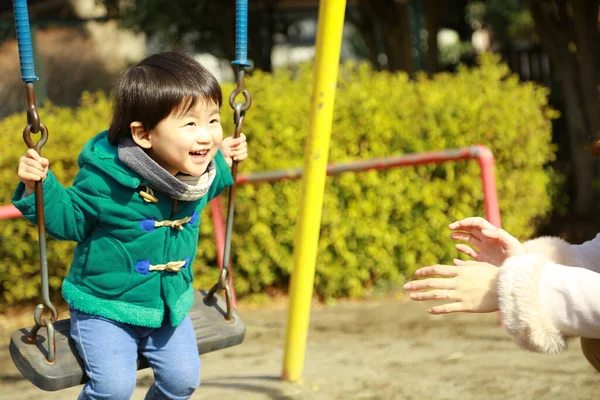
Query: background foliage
x,y
377,227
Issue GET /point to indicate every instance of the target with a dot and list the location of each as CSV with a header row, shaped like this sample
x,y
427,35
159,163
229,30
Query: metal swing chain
x,y
239,112
35,126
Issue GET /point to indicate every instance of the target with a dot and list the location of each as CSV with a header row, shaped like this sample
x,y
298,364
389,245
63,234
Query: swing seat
x,y
213,333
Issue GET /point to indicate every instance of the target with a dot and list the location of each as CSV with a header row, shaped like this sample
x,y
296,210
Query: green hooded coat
x,y
119,243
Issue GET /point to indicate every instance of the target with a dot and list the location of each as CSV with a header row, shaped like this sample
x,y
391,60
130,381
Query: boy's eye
x,y
214,121
190,124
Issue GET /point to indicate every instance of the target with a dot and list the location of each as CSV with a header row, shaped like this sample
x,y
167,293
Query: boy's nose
x,y
202,136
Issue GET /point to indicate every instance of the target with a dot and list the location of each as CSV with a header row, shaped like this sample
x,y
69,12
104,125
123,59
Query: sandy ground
x,y
384,349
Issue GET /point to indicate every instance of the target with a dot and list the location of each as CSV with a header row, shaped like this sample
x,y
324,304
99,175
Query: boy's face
x,y
187,142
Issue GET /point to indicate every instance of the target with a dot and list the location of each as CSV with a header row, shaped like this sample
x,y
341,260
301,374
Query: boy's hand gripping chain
x,y
239,111
34,126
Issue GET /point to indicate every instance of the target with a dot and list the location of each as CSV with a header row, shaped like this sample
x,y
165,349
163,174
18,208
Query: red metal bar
x,y
216,211
434,157
481,153
9,212
490,195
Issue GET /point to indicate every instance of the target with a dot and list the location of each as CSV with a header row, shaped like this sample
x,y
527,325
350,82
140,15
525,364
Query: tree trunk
x,y
366,27
261,30
587,35
393,48
568,33
433,14
403,33
392,17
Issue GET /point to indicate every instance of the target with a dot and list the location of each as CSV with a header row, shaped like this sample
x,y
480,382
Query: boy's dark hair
x,y
157,86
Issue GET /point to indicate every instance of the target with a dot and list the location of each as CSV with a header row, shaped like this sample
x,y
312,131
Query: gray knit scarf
x,y
180,187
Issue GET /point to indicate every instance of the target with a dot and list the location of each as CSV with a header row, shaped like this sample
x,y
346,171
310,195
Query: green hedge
x,y
377,227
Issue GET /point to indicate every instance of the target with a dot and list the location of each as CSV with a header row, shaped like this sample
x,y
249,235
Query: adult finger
x,y
471,223
466,237
448,308
428,284
470,263
463,248
437,270
432,295
500,235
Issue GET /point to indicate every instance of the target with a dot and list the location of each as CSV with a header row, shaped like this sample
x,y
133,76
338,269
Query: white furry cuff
x,y
523,315
554,249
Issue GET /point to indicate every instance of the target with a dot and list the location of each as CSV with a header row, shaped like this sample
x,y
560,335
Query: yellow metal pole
x,y
327,59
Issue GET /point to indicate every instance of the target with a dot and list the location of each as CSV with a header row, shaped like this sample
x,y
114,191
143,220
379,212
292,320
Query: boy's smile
x,y
184,141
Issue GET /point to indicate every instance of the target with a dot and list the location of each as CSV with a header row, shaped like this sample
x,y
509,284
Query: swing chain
x,y
240,89
239,111
223,284
34,126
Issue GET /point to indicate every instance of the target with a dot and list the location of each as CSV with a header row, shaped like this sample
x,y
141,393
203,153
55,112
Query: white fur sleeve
x,y
545,298
588,254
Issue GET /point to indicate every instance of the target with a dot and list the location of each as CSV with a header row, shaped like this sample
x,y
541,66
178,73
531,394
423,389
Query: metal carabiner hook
x,y
33,117
220,285
33,122
40,143
49,325
229,302
247,98
240,89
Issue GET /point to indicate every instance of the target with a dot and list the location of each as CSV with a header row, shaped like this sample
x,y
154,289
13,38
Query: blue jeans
x,y
110,349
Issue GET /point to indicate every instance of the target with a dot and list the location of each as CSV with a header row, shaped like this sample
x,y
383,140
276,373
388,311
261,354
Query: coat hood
x,y
99,154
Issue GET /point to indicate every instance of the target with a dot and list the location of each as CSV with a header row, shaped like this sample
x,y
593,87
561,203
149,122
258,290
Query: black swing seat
x,y
213,333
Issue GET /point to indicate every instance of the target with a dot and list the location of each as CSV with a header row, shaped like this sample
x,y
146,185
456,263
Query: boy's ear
x,y
140,135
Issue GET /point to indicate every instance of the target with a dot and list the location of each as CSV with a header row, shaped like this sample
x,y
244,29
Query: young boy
x,y
134,211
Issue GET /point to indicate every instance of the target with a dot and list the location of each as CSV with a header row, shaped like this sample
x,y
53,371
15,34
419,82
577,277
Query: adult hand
x,y
491,244
470,286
